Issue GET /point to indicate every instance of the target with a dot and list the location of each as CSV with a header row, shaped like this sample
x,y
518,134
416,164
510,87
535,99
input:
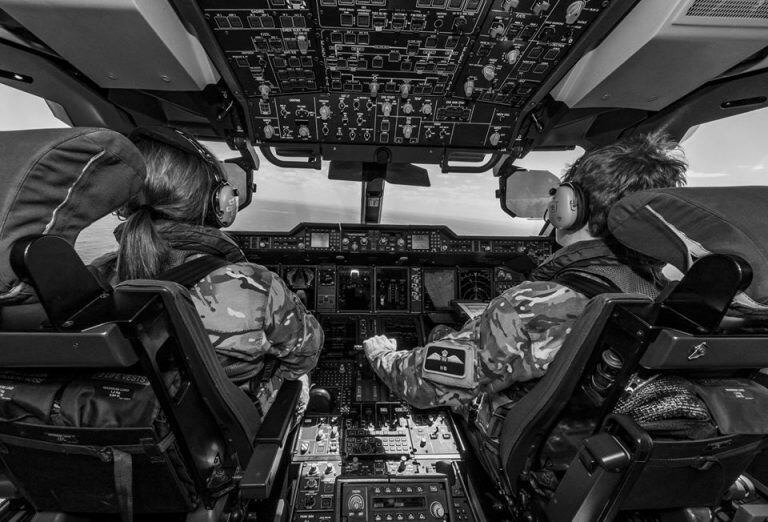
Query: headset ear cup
x,y
224,204
582,207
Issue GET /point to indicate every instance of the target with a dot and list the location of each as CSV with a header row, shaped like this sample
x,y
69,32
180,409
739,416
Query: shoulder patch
x,y
451,364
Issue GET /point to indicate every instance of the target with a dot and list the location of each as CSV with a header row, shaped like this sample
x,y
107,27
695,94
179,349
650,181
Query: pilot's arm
x,y
514,340
294,334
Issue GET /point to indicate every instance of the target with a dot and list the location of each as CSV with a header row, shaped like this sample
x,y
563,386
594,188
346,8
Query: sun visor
x,y
58,181
681,225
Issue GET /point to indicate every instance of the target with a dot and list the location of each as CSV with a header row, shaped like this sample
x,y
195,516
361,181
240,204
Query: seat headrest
x,y
681,225
59,181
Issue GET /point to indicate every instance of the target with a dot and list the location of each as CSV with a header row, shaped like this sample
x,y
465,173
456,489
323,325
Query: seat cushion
x,y
58,181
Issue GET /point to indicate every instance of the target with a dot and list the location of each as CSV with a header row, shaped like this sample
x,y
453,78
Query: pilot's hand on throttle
x,y
379,342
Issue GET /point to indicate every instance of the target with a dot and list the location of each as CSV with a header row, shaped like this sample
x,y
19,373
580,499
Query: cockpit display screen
x,y
420,242
320,240
440,288
354,289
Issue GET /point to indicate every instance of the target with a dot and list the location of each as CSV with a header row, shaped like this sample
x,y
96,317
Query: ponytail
x,y
143,252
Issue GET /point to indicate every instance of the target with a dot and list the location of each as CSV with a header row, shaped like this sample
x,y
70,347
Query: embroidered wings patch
x,y
452,364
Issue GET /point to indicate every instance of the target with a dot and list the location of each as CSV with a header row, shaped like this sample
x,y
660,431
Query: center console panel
x,y
367,455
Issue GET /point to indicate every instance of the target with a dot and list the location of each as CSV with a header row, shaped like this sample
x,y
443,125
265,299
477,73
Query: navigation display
x,y
420,242
320,240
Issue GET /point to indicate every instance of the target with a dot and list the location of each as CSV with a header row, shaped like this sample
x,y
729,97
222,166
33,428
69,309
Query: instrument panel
x,y
364,269
394,72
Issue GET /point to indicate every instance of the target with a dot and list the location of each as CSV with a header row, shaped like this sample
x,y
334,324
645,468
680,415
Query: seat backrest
x,y
112,401
191,429
617,338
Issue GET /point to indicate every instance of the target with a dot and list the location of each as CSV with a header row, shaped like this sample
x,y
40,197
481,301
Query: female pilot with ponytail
x,y
247,311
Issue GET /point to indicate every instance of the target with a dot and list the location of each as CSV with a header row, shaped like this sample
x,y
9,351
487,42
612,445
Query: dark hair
x,y
607,174
176,188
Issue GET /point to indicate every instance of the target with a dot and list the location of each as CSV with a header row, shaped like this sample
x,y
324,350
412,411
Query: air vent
x,y
754,9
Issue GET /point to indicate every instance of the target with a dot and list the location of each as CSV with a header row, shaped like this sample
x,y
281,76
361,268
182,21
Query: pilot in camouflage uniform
x,y
480,370
248,312
513,341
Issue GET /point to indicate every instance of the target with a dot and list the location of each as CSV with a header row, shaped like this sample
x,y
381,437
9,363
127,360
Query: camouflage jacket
x,y
247,310
513,341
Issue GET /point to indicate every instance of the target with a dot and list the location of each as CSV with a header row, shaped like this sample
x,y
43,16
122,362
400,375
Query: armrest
x,y
275,426
270,443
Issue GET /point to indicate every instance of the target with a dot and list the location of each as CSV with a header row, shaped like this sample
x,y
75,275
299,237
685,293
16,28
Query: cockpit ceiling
x,y
353,78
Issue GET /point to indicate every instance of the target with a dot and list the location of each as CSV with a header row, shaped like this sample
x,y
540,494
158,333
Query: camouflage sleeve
x,y
522,330
293,333
514,340
402,371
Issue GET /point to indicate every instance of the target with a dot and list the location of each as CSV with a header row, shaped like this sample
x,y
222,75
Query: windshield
x,y
721,153
464,202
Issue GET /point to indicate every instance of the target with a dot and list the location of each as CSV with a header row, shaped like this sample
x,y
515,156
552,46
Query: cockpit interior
x,y
373,92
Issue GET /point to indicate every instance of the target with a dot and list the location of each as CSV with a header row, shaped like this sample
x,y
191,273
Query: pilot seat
x,y
112,401
657,409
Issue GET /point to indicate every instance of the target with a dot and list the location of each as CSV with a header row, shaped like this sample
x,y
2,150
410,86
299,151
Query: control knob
x,y
264,89
494,138
512,56
407,108
489,72
497,30
345,242
541,7
363,241
384,240
374,88
356,502
469,88
508,5
386,109
329,469
407,131
426,109
312,469
403,465
304,448
401,242
269,131
573,12
304,131
405,90
325,112
437,510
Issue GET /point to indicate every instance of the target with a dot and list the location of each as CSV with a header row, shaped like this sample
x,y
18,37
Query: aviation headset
x,y
223,200
569,207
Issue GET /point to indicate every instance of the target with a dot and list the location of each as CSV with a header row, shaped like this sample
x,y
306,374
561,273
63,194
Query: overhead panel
x,y
664,50
394,72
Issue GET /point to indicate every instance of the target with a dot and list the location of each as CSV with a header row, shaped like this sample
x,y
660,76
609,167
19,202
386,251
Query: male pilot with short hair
x,y
519,334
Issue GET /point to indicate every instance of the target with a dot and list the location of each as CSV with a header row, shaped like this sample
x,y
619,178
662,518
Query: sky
x,y
732,151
